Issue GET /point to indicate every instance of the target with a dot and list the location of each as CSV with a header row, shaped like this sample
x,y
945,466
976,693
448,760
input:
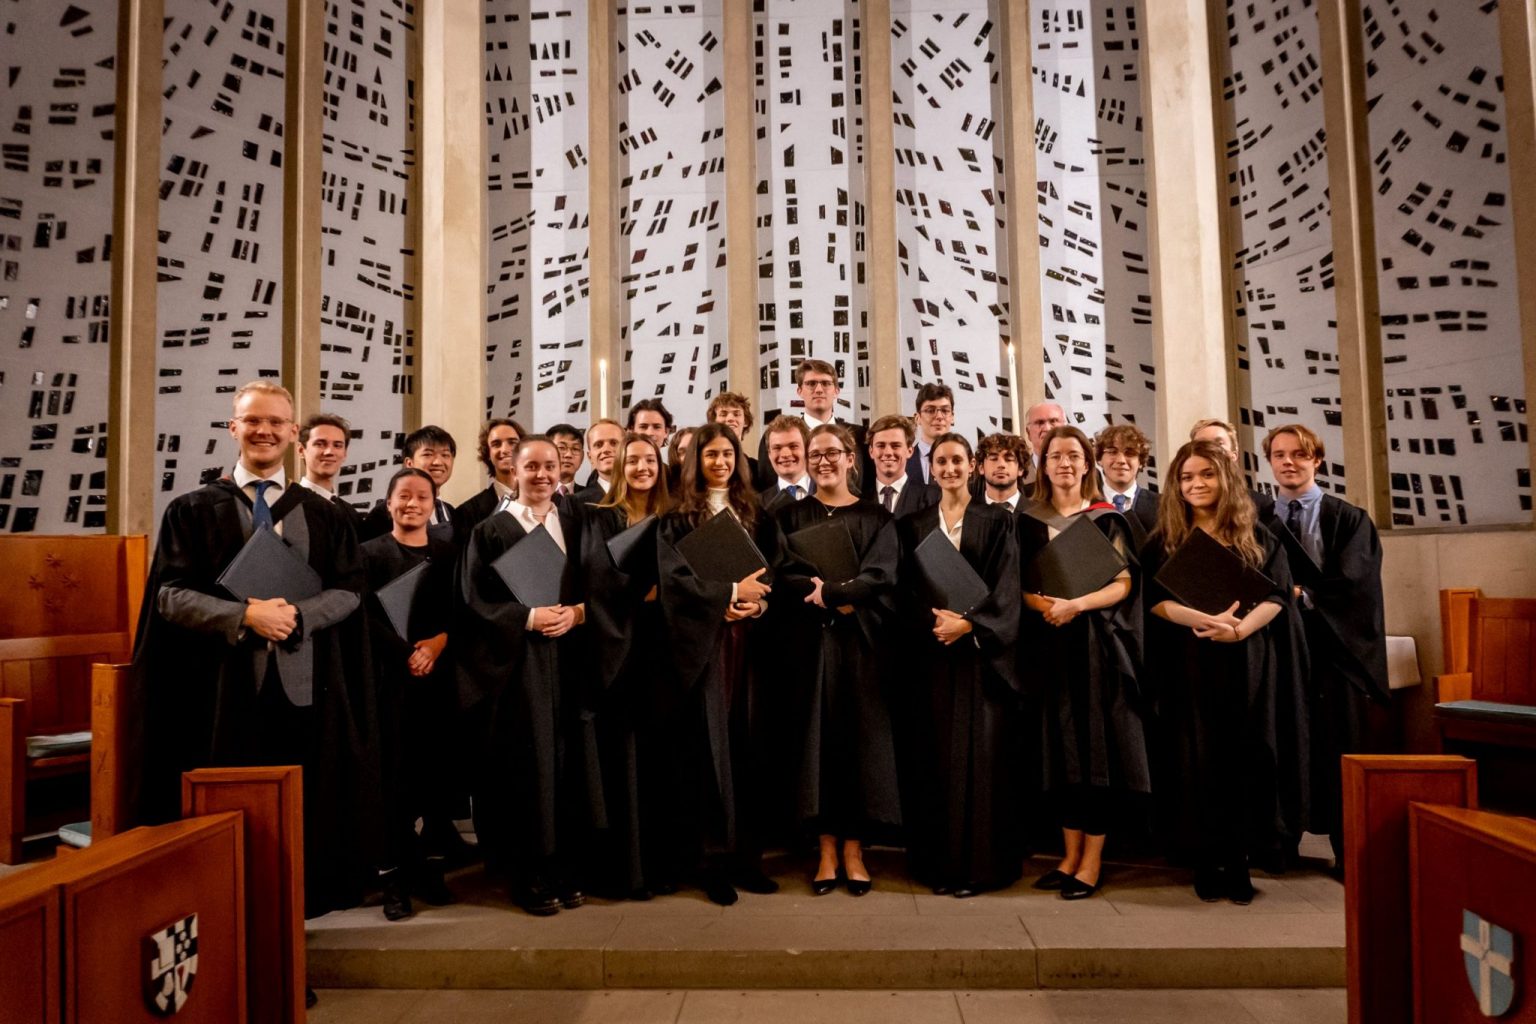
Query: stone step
x,y
1146,929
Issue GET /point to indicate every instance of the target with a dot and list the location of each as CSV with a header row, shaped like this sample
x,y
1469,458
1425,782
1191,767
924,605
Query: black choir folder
x,y
721,551
828,548
622,546
1208,577
267,567
1078,561
532,569
952,583
398,597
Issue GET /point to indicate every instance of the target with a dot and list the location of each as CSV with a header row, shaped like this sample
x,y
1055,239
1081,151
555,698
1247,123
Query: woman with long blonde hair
x,y
1218,677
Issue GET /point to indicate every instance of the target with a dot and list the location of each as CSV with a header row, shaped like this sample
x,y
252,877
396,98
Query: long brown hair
x,y
1236,519
845,438
693,499
656,500
1041,492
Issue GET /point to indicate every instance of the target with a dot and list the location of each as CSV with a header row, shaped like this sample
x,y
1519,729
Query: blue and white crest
x,y
1489,954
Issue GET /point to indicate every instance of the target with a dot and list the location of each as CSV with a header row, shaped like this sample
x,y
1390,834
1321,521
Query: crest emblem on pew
x,y
170,966
1488,952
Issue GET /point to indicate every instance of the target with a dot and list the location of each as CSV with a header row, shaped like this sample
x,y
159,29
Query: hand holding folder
x,y
952,583
533,569
1209,577
721,551
1077,562
267,567
827,547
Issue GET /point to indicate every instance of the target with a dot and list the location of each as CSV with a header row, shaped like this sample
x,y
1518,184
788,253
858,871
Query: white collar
x,y
503,492
1012,501
244,478
1110,492
811,422
324,492
896,486
804,483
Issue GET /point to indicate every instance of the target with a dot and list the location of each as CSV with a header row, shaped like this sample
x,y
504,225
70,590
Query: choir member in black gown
x,y
1219,682
1086,651
847,773
529,802
1335,558
708,626
626,644
963,672
414,693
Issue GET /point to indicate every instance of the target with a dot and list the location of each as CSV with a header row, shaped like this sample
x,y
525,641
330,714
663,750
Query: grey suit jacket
x,y
192,609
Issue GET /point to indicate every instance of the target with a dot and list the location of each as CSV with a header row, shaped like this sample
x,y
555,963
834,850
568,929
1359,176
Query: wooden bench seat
x,y
69,603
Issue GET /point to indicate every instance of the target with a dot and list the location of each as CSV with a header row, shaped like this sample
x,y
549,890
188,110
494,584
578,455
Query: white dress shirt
x,y
324,492
246,481
529,522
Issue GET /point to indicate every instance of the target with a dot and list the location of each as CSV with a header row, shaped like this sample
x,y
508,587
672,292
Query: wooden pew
x,y
69,602
110,813
1487,694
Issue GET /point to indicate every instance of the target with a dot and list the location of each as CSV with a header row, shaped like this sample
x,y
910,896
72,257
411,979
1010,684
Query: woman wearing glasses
x,y
847,772
966,705
1084,652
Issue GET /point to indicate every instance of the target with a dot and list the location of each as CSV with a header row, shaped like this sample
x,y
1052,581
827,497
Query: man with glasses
x,y
935,418
787,439
1121,451
892,485
816,384
568,447
263,680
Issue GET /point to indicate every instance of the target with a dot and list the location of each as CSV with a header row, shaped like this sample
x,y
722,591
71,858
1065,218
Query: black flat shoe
x,y
397,899
720,892
1240,890
1075,888
943,890
1209,884
537,900
859,886
572,898
965,892
822,886
1051,880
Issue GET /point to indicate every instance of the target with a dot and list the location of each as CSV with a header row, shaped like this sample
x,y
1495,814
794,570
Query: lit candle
x,y
1013,389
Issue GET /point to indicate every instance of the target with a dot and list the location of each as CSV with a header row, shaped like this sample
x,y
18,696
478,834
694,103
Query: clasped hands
x,y
750,591
1058,611
949,626
557,619
815,598
1224,628
270,618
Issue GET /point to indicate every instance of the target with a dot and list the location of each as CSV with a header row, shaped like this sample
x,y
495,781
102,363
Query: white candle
x,y
1013,389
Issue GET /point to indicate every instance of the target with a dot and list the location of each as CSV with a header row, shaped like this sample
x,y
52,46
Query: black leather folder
x,y
721,551
533,569
1080,560
267,567
1208,577
398,598
622,547
828,548
952,583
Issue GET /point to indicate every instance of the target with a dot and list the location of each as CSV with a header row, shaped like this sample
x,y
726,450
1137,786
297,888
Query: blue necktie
x,y
794,491
261,512
1120,502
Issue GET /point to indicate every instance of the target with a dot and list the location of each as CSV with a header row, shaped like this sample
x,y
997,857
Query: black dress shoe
x,y
664,888
720,892
754,881
1075,888
1209,884
1051,880
430,887
397,900
966,891
859,886
943,890
538,900
310,999
822,886
1240,888
640,895
572,897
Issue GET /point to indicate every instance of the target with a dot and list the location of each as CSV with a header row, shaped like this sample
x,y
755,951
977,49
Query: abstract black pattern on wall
x,y
56,132
221,227
1280,235
368,273
1456,407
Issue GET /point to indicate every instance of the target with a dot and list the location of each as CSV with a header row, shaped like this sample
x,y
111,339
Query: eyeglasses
x,y
1072,458
826,455
569,448
936,410
819,385
257,422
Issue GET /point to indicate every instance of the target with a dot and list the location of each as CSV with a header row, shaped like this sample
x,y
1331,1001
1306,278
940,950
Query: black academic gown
x,y
532,781
203,707
472,513
965,718
1232,733
1092,734
847,776
1345,627
416,714
715,761
623,693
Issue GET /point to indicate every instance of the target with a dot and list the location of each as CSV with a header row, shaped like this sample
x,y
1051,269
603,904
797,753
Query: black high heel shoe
x,y
860,886
1075,888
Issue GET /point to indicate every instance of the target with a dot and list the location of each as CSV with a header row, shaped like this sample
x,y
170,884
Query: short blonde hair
x,y
1223,424
265,387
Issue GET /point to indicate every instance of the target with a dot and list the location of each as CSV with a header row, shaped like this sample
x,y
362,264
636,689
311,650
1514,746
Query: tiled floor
x,y
1164,1006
